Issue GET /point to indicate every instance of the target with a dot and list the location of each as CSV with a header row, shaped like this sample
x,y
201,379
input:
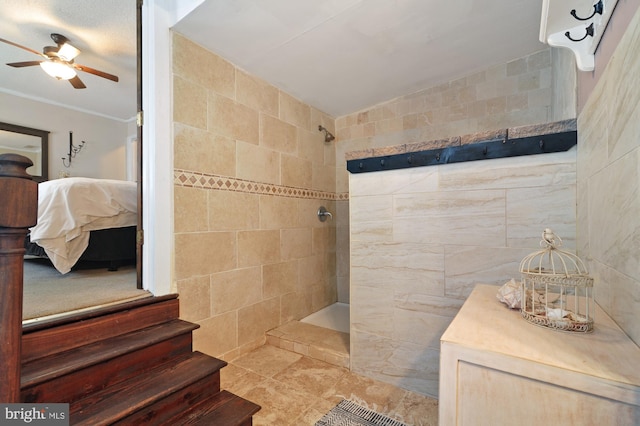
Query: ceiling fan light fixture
x,y
67,52
58,70
59,62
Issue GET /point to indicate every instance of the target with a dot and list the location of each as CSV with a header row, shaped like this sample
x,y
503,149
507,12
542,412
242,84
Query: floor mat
x,y
348,413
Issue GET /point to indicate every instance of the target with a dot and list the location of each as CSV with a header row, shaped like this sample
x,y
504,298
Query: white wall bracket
x,y
577,25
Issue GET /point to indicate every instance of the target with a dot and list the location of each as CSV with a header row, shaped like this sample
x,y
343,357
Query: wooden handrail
x,y
18,212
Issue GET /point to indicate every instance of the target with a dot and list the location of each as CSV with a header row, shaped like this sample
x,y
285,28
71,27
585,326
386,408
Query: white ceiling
x,y
345,55
338,55
105,33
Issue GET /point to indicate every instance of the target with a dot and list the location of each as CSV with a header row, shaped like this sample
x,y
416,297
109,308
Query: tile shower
x,y
251,170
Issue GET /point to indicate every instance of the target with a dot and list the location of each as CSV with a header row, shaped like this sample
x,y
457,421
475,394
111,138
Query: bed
x,y
85,219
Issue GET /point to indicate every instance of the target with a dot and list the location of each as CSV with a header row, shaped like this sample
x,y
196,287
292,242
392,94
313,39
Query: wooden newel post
x,y
18,212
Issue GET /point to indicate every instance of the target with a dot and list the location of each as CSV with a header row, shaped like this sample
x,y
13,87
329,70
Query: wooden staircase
x,y
131,363
128,364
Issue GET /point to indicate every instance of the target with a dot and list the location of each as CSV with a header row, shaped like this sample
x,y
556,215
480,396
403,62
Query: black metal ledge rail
x,y
500,148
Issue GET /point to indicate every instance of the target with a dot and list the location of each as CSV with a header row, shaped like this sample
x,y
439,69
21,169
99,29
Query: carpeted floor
x,y
48,292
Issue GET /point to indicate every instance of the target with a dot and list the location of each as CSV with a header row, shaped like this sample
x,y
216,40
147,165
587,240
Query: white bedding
x,y
69,208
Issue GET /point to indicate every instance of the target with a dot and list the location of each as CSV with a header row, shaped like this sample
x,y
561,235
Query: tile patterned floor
x,y
294,389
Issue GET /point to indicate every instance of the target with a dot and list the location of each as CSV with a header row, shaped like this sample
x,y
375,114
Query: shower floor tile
x,y
335,316
319,343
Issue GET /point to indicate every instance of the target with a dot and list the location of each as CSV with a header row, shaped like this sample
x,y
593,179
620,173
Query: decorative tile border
x,y
225,183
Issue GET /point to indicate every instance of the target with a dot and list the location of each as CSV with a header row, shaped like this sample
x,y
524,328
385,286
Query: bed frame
x,y
112,248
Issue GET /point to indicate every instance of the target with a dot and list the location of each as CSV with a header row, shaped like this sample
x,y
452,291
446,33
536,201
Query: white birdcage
x,y
557,292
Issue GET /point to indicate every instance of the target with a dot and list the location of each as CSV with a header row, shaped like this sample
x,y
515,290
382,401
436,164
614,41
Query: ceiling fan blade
x,y
96,72
77,83
24,64
21,47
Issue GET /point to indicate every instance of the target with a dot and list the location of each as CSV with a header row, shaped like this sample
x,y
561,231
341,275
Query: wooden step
x,y
224,409
62,334
128,364
153,397
67,376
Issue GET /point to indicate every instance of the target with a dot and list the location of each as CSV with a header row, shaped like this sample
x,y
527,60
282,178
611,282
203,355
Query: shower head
x,y
328,137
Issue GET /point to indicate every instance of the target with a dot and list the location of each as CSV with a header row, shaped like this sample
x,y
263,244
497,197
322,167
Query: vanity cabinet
x,y
498,369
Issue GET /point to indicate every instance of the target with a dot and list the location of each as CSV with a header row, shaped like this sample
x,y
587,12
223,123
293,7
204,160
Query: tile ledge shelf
x,y
524,140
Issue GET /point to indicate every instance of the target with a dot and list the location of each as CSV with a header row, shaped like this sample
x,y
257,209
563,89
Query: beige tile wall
x,y
250,171
609,184
521,92
421,238
538,88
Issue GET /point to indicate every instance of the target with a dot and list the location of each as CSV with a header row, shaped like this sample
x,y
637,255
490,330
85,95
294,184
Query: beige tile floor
x,y
296,390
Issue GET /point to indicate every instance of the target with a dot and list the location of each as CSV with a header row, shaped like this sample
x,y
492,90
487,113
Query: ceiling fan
x,y
59,62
